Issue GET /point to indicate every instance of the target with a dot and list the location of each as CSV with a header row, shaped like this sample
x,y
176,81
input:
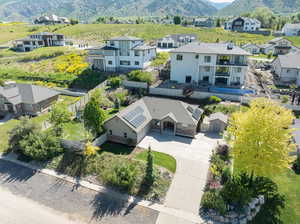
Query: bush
x,y
140,76
213,200
296,165
284,99
214,99
122,175
226,175
41,146
115,82
223,152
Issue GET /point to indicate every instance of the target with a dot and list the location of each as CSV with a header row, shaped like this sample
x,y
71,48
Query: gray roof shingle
x,y
210,48
291,60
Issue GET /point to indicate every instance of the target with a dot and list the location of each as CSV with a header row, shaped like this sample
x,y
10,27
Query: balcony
x,y
218,74
231,63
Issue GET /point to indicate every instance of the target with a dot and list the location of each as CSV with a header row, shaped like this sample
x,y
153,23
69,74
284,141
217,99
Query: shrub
x,y
223,152
122,175
115,82
41,146
214,99
226,175
140,76
213,200
161,59
284,99
90,149
296,165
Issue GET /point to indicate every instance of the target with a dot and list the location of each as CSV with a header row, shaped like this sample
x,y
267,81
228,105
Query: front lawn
x,y
159,159
75,131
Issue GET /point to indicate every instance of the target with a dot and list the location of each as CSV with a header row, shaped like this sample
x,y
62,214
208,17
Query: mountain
x,y
91,9
277,6
220,5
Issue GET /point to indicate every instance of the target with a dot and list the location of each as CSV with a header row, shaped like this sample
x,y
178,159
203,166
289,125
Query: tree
x,y
149,177
101,98
1,82
93,116
218,22
74,21
59,115
90,149
261,137
177,20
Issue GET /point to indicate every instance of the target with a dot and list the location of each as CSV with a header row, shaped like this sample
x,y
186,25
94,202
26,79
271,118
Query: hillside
x,y
277,6
88,10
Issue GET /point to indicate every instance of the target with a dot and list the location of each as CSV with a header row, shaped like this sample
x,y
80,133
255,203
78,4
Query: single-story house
x,y
216,122
251,48
266,48
167,116
287,67
25,99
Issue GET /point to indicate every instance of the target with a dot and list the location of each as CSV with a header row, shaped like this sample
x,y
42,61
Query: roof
x,y
210,48
26,93
143,47
125,38
180,37
159,108
266,45
278,39
291,60
219,116
248,19
203,19
46,33
249,44
292,26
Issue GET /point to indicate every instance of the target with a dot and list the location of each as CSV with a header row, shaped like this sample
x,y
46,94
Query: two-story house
x,y
121,54
243,24
210,63
38,40
204,22
176,40
290,29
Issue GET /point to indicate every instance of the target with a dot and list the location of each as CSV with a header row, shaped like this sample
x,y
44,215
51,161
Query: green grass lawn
x,y
75,131
159,159
289,185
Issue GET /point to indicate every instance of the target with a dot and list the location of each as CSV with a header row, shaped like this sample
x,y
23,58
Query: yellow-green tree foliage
x,y
90,149
261,137
71,63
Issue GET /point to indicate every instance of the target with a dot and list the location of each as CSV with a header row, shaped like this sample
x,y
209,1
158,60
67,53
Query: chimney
x,y
230,45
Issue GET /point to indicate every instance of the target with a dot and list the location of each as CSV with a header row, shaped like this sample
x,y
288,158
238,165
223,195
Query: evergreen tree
x,y
149,178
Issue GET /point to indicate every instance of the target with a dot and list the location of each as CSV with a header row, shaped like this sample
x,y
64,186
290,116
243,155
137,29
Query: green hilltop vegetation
x,y
239,7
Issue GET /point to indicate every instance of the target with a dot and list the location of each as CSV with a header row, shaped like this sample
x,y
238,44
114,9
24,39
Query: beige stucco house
x,y
166,116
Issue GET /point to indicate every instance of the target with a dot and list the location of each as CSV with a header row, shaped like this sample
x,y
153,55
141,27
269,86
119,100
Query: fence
x,y
133,84
76,107
101,140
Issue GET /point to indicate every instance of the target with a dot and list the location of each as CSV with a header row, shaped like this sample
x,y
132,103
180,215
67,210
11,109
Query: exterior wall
x,y
118,128
186,130
132,84
142,133
290,32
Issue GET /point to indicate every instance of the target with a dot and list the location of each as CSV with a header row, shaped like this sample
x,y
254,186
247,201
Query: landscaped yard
x,y
159,159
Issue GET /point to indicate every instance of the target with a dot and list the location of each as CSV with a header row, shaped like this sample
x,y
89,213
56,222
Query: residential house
x,y
51,20
243,24
204,22
38,40
290,29
166,116
216,123
211,63
278,46
176,40
266,49
251,48
287,68
121,54
25,99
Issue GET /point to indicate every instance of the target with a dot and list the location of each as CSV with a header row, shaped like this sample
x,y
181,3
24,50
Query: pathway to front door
x,y
192,156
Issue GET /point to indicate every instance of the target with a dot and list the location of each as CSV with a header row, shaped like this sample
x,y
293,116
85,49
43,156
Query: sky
x,y
219,1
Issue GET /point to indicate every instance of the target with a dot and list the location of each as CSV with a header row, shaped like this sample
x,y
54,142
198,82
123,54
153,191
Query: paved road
x,y
192,156
60,202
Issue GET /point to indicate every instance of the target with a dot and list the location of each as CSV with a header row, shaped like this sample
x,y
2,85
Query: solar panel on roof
x,y
132,114
197,113
138,121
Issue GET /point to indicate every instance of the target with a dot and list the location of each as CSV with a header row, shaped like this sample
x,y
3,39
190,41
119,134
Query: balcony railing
x,y
231,63
222,74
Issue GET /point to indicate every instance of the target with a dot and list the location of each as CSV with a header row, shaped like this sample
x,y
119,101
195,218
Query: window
x,y
136,53
179,57
207,69
112,43
110,132
238,70
188,79
238,79
124,62
110,62
197,56
148,51
136,63
125,135
207,59
206,78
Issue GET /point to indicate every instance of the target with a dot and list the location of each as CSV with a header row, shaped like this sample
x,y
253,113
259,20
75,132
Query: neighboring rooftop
x,y
180,37
143,111
143,47
125,38
292,25
218,116
211,48
291,60
26,93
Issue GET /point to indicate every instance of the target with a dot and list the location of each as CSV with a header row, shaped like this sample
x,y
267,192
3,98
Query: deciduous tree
x,y
261,137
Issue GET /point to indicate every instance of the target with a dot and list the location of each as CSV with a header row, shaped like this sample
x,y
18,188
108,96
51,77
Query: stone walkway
x,y
192,156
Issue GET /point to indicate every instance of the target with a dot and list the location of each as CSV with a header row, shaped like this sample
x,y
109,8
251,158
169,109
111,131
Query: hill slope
x,y
277,6
90,9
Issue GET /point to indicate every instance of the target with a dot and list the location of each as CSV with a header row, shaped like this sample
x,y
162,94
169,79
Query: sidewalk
x,y
169,212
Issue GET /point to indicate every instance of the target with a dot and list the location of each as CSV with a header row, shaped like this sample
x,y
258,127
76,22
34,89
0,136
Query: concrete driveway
x,y
192,156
